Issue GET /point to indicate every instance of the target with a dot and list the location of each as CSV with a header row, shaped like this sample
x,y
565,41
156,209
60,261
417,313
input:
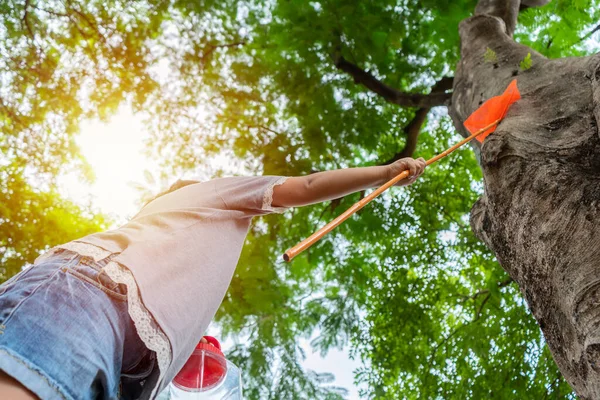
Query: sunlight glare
x,y
115,152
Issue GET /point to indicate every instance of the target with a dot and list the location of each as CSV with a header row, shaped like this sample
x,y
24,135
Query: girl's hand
x,y
415,167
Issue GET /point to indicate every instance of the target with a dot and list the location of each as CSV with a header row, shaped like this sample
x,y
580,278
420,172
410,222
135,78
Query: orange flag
x,y
492,110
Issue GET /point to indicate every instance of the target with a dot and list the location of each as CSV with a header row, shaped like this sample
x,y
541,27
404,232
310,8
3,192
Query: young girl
x,y
116,314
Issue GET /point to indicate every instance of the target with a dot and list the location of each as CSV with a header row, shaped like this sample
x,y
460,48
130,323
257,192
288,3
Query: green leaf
x,y
149,178
379,39
490,56
525,64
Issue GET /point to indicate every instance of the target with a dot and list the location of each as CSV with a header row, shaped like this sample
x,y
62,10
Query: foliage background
x,y
404,284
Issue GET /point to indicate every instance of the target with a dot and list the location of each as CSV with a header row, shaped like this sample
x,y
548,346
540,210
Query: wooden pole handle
x,y
315,237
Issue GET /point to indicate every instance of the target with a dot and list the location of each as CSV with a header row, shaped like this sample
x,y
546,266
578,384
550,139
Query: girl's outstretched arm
x,y
328,185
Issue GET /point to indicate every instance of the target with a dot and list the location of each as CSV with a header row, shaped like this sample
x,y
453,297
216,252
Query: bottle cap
x,y
205,368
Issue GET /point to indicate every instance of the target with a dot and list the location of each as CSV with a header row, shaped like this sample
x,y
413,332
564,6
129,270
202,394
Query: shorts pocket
x,y
105,281
92,277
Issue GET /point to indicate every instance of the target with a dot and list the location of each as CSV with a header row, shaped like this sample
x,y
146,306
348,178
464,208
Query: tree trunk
x,y
541,167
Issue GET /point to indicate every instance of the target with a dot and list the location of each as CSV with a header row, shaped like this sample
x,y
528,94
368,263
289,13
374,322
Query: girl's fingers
x,y
422,165
415,168
412,166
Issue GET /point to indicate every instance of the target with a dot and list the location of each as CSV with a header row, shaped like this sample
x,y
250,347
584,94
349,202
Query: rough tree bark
x,y
541,167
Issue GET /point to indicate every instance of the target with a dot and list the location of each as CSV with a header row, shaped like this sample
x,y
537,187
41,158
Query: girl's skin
x,y
329,185
294,192
12,389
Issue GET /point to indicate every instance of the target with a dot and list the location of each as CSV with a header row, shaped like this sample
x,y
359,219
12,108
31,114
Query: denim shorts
x,y
65,332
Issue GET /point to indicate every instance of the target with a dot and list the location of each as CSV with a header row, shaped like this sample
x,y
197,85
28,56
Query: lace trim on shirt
x,y
268,197
85,249
80,248
145,325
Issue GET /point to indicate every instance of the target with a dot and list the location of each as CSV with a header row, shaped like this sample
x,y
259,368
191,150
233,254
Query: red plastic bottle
x,y
207,374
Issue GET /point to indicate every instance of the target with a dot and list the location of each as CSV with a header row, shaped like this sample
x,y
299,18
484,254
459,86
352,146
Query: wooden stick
x,y
315,237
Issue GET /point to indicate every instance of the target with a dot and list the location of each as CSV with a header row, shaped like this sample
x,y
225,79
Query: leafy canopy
x,y
404,284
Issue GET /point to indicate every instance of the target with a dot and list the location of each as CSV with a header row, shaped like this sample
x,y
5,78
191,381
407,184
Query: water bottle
x,y
207,375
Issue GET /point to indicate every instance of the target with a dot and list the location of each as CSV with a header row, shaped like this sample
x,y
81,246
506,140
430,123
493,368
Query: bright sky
x,y
115,151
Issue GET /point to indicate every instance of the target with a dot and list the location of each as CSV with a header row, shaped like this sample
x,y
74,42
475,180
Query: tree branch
x,y
51,12
25,18
506,10
478,313
390,94
501,284
91,24
413,128
596,29
412,131
443,342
